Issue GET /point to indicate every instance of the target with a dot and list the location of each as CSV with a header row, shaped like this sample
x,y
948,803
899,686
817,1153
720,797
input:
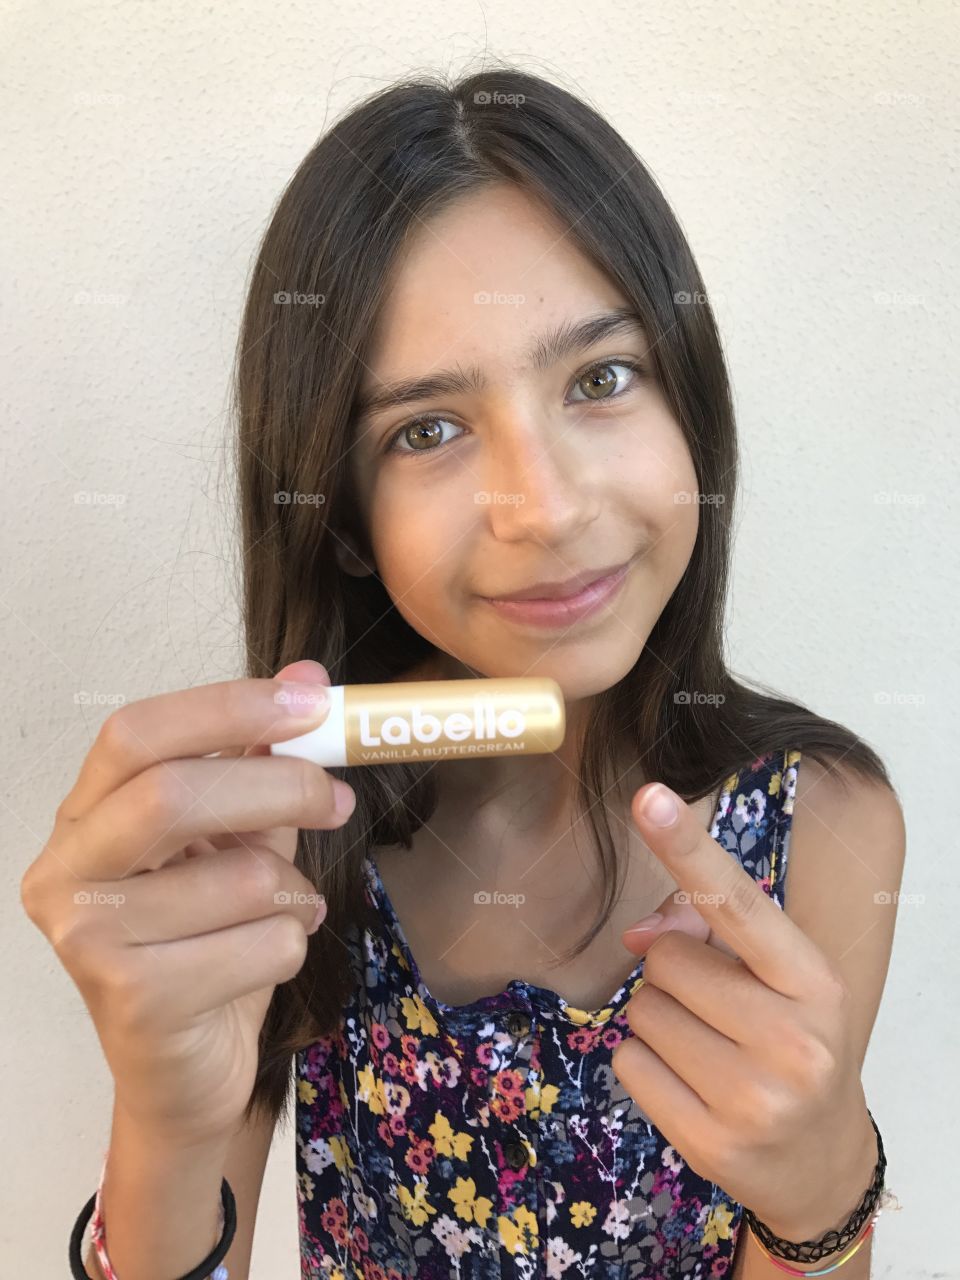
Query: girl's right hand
x,y
168,891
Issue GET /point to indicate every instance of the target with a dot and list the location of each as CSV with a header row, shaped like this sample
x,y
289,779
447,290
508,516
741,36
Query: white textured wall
x,y
807,150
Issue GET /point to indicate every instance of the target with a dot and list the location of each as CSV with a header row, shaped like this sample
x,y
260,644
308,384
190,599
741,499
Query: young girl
x,y
485,429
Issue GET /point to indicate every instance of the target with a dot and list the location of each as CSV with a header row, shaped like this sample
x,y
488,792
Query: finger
x,y
672,1106
305,671
227,888
674,914
716,988
213,969
704,1059
283,839
732,903
143,825
187,722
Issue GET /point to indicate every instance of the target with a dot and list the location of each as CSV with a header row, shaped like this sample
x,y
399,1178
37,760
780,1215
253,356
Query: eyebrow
x,y
548,348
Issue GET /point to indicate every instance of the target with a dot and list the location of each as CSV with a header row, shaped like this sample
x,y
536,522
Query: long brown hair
x,y
391,163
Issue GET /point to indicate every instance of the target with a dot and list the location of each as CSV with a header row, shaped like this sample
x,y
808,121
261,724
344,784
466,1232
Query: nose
x,y
539,486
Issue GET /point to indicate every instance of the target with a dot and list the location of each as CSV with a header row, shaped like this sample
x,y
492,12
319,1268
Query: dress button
x,y
516,1154
518,1024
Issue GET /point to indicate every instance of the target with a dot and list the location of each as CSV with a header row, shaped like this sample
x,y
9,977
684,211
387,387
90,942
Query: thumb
x,y
671,914
304,669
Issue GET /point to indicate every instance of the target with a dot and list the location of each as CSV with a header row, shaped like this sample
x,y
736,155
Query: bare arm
x,y
161,1203
846,863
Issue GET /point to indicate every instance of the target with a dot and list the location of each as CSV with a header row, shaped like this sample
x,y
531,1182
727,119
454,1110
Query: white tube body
x,y
325,745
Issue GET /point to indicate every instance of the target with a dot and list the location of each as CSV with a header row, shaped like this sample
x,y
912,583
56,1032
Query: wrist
x,y
163,1138
839,1194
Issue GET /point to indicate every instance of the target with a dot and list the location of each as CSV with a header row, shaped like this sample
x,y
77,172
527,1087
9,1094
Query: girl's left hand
x,y
741,1055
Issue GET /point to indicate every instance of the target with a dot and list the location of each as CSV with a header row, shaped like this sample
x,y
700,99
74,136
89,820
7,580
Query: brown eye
x,y
599,383
422,435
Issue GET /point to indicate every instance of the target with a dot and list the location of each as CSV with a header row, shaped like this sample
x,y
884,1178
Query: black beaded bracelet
x,y
202,1272
832,1241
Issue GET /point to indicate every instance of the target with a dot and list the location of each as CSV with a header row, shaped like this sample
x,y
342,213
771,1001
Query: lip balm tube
x,y
403,721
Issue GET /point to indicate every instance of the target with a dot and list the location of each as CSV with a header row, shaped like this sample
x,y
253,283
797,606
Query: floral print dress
x,y
493,1139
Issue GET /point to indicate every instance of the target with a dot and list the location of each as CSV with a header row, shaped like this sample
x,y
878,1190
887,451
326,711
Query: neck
x,y
532,796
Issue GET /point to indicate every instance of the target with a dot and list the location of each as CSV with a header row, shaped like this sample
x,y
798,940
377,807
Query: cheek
x,y
655,476
413,546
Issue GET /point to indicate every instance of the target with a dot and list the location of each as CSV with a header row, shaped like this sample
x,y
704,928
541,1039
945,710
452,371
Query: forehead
x,y
476,282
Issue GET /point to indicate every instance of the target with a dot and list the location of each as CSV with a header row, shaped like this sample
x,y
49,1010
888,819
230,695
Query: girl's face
x,y
530,467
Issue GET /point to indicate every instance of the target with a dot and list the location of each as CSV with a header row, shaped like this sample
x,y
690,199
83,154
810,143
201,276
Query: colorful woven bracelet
x,y
211,1268
794,1271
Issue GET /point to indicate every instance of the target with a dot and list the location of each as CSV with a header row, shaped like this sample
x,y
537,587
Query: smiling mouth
x,y
554,611
567,590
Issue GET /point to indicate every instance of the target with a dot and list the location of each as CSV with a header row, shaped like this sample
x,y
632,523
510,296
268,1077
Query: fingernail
x,y
303,701
648,922
321,912
344,798
660,807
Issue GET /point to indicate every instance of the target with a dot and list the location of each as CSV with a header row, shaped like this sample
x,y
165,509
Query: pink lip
x,y
569,609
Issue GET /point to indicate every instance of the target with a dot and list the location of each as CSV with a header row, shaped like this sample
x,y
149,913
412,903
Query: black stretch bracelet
x,y
202,1272
832,1241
